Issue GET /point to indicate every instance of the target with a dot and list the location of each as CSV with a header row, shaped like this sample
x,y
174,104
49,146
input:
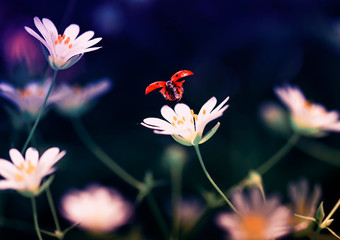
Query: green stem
x,y
316,234
40,114
35,218
157,214
278,155
54,213
176,182
85,137
212,181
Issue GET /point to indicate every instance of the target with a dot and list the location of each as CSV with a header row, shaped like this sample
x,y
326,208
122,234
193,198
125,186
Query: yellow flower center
x,y
29,169
253,227
60,39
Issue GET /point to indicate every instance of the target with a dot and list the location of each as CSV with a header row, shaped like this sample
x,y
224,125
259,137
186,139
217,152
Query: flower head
x,y
77,100
307,118
30,99
303,202
258,219
64,50
97,209
25,173
185,126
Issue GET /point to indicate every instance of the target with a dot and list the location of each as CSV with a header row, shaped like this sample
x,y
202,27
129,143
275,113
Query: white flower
x,y
30,99
303,202
308,118
77,100
64,50
97,209
25,174
185,126
258,220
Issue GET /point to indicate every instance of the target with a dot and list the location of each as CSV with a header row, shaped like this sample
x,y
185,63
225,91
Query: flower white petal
x,y
86,36
16,157
168,113
6,184
72,31
33,155
49,158
207,107
34,34
156,123
7,170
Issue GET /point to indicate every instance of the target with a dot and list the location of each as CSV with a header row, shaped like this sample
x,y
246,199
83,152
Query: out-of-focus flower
x,y
303,202
307,118
19,48
97,209
64,50
26,174
258,219
77,100
185,126
274,117
30,99
189,210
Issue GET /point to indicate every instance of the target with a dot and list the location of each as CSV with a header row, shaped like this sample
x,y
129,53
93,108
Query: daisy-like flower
x,y
307,118
26,173
30,99
77,100
258,219
97,209
64,50
185,126
303,202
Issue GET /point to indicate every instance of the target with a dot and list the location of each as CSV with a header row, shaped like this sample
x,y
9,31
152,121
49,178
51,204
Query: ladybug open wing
x,y
154,86
181,74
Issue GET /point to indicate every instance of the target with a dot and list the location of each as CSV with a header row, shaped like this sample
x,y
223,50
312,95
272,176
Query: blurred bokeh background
x,y
240,49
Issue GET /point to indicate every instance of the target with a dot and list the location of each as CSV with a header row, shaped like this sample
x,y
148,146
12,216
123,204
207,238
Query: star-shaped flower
x,y
97,209
307,118
185,126
64,50
26,173
77,100
30,99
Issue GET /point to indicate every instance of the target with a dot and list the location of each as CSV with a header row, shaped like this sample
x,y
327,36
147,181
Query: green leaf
x,y
209,134
320,213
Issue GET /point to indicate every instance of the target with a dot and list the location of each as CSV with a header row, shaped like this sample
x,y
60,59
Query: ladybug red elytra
x,y
171,90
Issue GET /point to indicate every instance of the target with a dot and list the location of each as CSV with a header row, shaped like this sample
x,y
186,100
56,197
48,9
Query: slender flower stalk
x,y
266,166
87,140
212,181
39,115
35,218
54,213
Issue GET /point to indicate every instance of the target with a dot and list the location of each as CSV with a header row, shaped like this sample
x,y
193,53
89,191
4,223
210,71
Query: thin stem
x,y
316,234
35,218
176,182
332,211
278,155
40,114
212,181
87,140
54,213
158,215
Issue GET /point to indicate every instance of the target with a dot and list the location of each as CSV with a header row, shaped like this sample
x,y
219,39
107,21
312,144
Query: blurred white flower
x,y
258,219
303,202
274,117
77,100
307,118
185,126
96,209
64,50
25,174
30,99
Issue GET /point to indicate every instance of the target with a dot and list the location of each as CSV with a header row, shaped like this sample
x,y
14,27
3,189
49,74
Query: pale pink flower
x,y
77,100
307,118
303,202
64,50
258,219
26,173
96,209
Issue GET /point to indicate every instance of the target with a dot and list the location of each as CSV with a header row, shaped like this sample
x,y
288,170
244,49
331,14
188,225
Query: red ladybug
x,y
171,90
